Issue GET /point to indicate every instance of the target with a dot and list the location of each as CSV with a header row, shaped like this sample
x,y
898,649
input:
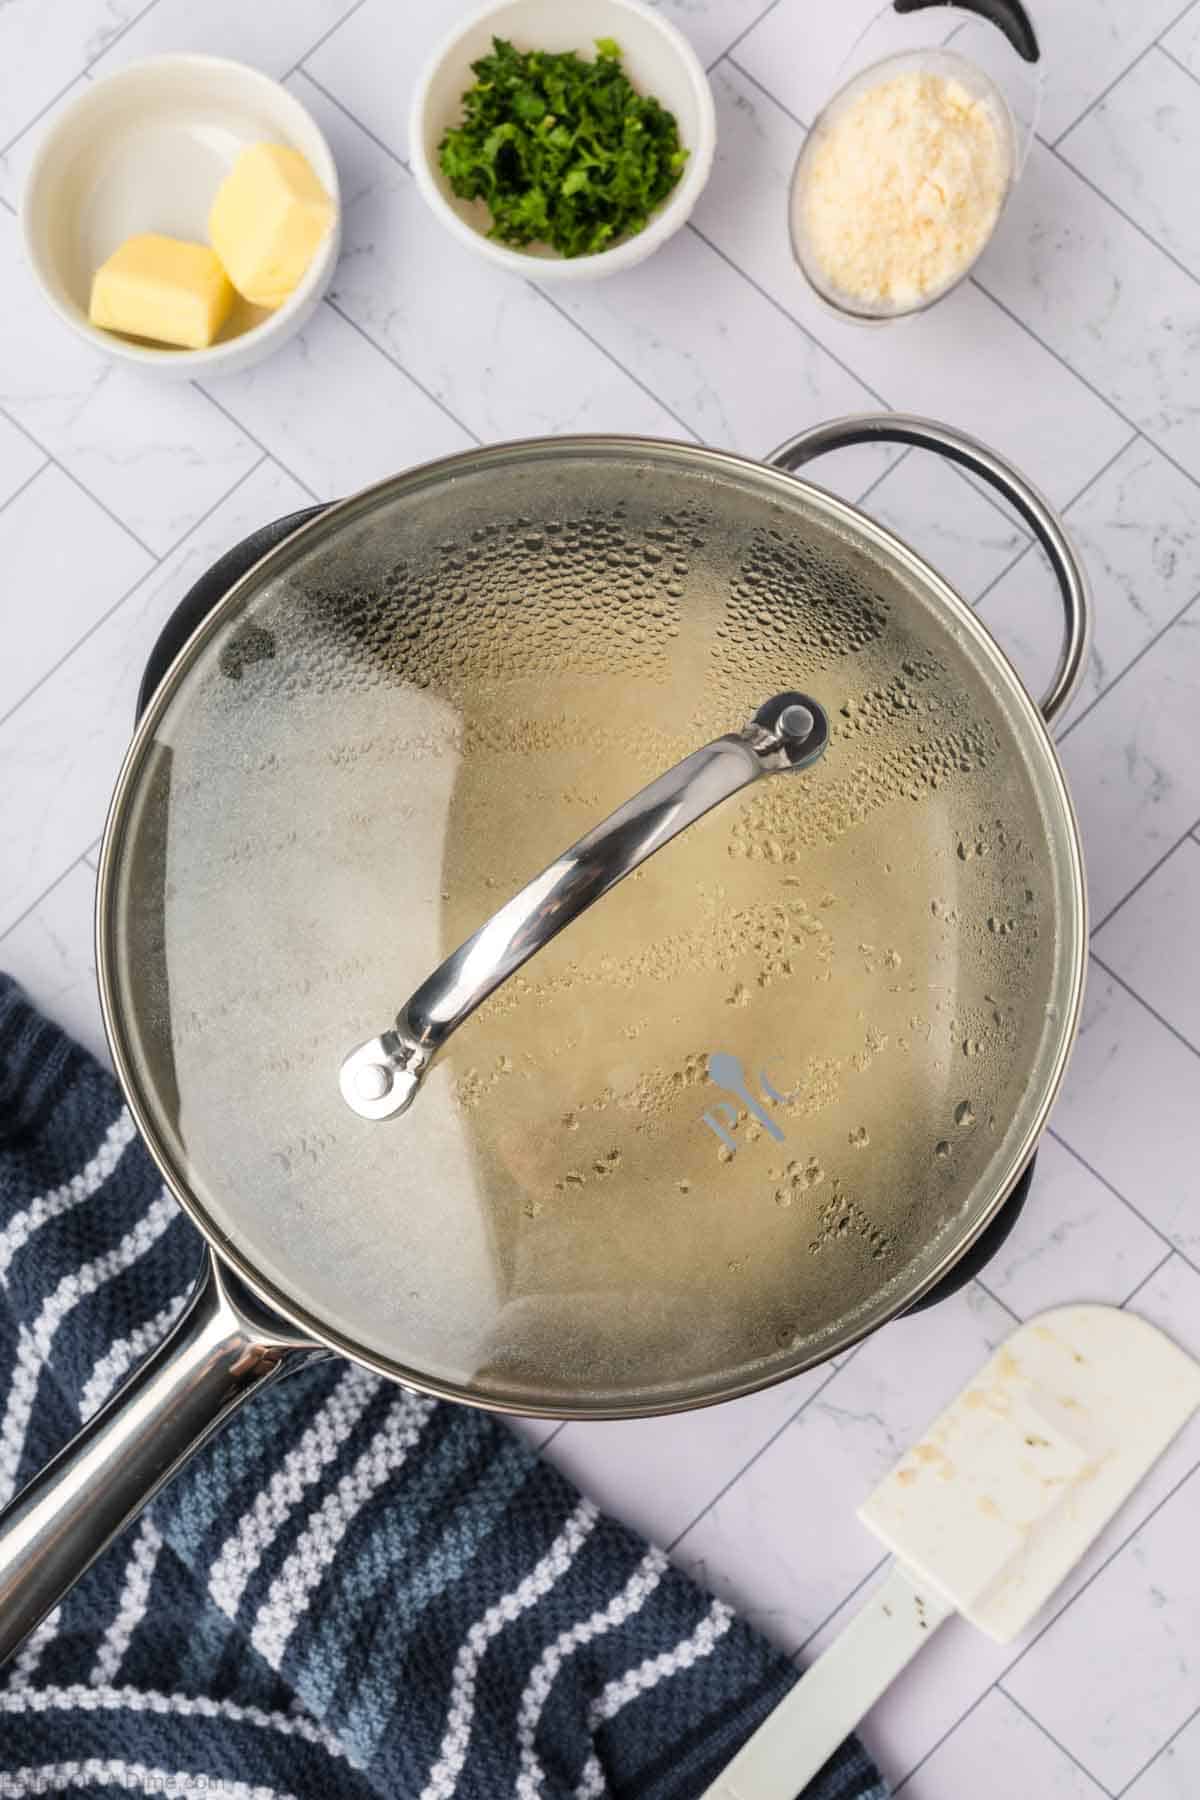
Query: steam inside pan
x,y
705,1132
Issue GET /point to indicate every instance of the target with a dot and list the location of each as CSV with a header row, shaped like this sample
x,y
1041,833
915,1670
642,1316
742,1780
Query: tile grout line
x,y
1082,492
983,490
397,364
1052,145
120,601
1031,542
1087,383
1117,79
1012,1312
329,301
1147,1278
1141,882
1050,1737
995,301
602,348
884,473
529,282
51,103
1162,1749
1083,1162
257,442
302,70
555,305
945,1737
743,35
763,89
8,930
986,494
783,311
27,483
116,39
78,76
1049,1625
834,1371
1145,1004
321,41
1181,66
1145,650
1102,96
1189,6
71,476
1122,214
1008,568
845,1600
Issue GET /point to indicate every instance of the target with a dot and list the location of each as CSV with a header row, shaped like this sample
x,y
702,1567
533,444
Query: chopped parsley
x,y
564,152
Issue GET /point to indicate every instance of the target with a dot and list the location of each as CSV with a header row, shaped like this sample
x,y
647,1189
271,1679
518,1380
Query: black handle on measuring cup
x,y
1008,16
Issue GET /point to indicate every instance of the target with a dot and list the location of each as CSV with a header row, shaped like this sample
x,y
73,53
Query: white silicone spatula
x,y
986,1516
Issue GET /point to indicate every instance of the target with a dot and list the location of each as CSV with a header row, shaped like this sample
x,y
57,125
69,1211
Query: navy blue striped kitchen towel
x,y
352,1590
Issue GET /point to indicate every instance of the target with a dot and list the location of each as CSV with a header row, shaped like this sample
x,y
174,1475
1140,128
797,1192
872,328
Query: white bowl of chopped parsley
x,y
563,139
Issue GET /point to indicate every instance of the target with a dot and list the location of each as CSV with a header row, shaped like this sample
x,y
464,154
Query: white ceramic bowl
x,y
146,150
658,60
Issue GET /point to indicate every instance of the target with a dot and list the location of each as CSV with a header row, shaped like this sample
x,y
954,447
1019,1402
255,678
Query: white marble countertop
x,y
1076,350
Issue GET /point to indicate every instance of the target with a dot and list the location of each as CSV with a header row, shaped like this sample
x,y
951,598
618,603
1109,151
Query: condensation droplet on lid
x,y
963,1114
942,1149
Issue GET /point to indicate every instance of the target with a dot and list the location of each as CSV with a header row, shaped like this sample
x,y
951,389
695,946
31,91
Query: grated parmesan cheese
x,y
904,184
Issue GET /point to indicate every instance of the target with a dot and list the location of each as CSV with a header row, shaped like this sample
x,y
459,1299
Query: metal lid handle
x,y
381,1077
1038,514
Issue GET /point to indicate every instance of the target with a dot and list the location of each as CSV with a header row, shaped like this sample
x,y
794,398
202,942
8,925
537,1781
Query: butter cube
x,y
162,288
267,221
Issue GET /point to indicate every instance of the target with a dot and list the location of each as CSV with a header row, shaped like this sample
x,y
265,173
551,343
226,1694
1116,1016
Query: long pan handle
x,y
217,1355
832,1696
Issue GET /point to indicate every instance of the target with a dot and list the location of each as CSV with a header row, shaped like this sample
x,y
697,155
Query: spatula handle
x,y
832,1696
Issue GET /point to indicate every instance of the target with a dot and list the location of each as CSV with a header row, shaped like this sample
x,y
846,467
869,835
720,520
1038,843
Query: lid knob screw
x,y
372,1080
796,721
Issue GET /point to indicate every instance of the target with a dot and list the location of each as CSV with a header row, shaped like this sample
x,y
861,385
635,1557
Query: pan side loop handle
x,y
380,1078
1038,514
216,1356
1008,16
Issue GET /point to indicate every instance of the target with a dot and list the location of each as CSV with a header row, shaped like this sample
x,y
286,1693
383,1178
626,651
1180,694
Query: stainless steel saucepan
x,y
590,927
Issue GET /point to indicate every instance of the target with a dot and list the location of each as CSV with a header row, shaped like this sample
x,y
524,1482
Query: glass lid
x,y
751,1100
